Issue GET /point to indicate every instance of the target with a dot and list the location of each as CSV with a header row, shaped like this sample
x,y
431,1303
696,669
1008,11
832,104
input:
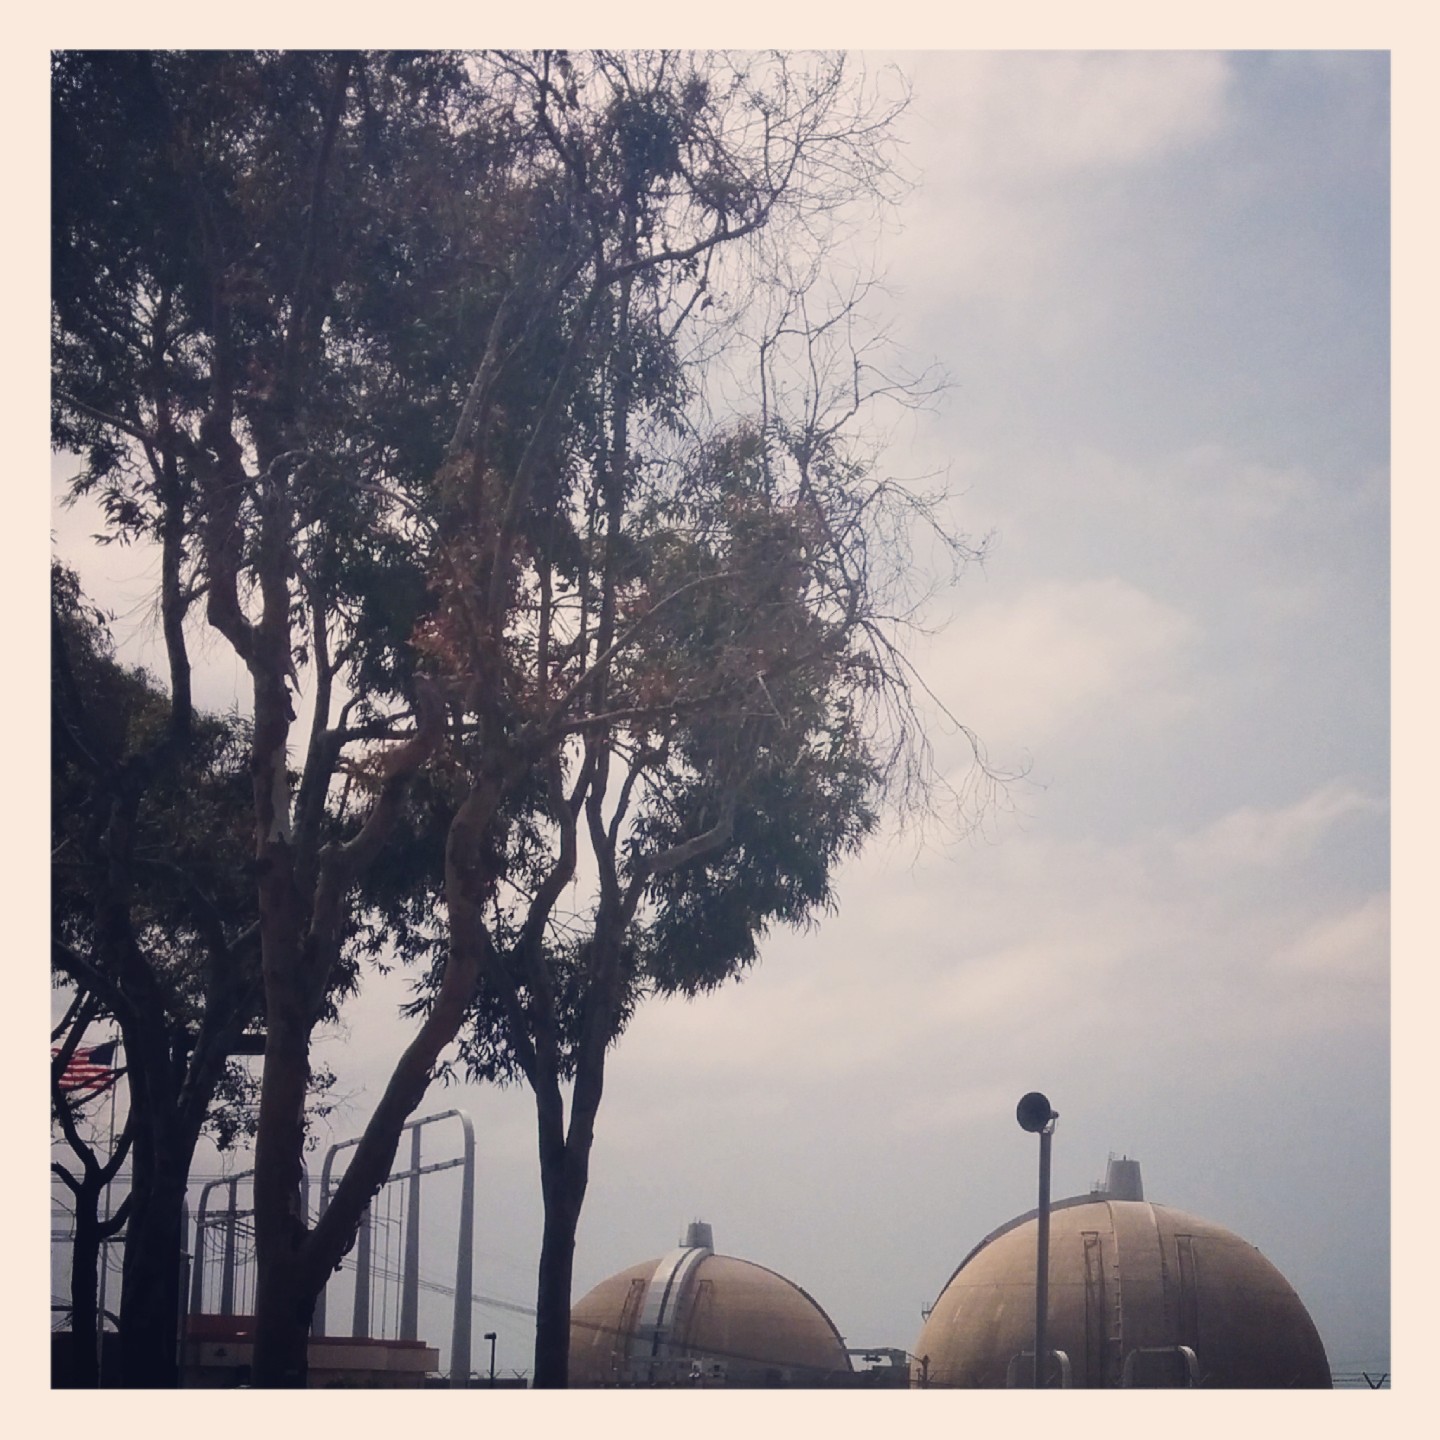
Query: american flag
x,y
90,1069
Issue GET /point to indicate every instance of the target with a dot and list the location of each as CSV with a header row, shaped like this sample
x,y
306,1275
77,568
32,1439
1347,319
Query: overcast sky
x,y
1159,283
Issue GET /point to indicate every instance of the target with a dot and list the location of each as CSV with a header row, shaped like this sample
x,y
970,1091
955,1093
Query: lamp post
x,y
1035,1116
490,1336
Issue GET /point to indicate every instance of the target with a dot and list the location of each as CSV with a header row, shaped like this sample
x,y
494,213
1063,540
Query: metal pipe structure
x,y
183,1318
410,1274
203,1222
1035,1115
317,1323
465,1248
227,1257
464,1263
197,1264
197,1269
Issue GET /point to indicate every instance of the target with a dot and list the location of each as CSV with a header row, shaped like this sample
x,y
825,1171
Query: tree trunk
x,y
150,1283
84,1304
284,1297
284,1310
162,1148
557,1264
564,1174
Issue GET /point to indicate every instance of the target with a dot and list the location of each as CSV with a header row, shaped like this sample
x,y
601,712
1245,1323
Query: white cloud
x,y
998,143
1245,491
1061,655
1353,945
1251,837
1033,118
1211,494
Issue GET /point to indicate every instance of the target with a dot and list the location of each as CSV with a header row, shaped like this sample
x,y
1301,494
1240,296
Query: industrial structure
x,y
701,1319
1134,1294
1139,1295
218,1334
219,1349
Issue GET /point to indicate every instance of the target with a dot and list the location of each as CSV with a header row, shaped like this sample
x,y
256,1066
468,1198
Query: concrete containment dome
x,y
698,1318
1139,1294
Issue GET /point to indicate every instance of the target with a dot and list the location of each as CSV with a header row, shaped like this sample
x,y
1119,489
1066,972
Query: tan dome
x,y
695,1317
1129,1283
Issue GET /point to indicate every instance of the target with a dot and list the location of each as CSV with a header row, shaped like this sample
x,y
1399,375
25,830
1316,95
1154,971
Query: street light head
x,y
1034,1112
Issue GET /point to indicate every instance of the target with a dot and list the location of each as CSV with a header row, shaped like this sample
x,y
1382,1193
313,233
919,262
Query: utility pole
x,y
1035,1116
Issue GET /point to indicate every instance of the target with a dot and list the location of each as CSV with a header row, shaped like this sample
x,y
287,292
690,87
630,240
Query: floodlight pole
x,y
490,1336
1042,1261
1035,1115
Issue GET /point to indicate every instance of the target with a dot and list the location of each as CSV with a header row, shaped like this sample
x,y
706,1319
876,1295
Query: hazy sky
x,y
1159,283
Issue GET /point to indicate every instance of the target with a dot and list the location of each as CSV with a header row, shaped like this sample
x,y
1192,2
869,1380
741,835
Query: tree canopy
x,y
500,407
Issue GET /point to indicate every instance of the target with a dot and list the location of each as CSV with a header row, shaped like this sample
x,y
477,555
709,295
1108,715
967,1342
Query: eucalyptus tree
x,y
705,752
396,357
86,1175
152,926
241,245
676,676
